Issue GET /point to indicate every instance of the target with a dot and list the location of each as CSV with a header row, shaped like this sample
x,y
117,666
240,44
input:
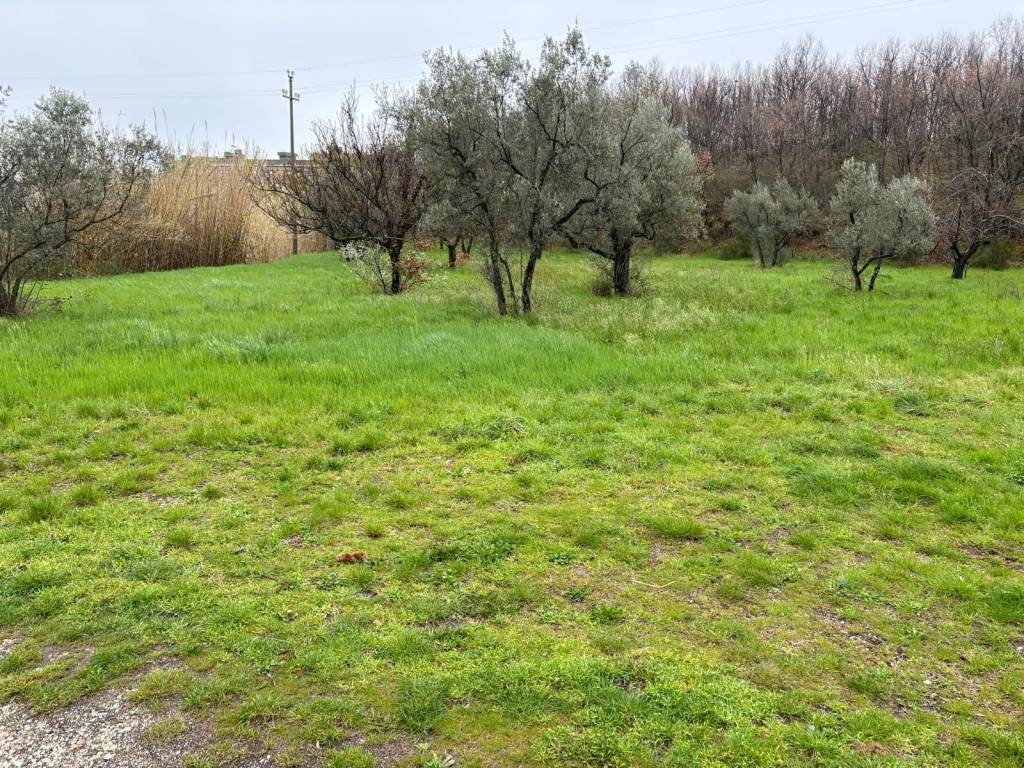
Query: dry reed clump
x,y
197,212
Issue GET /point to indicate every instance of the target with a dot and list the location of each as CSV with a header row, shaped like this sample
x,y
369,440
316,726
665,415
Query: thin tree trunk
x,y
760,254
395,253
874,275
536,249
858,285
453,257
497,282
777,250
621,263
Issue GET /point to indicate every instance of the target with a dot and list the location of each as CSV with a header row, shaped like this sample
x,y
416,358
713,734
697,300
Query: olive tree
x,y
445,223
62,174
636,177
361,185
770,219
872,222
545,125
509,139
450,123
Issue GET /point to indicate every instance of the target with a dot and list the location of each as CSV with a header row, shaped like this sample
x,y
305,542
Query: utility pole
x,y
292,98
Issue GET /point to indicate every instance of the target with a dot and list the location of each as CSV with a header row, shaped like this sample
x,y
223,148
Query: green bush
x,y
998,255
737,249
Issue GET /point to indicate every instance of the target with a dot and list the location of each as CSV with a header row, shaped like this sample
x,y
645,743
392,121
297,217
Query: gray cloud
x,y
212,71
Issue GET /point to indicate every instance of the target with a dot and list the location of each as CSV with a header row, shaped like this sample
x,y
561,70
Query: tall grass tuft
x,y
198,212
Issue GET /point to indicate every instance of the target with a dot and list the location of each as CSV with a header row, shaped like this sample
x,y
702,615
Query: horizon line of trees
x,y
948,110
909,147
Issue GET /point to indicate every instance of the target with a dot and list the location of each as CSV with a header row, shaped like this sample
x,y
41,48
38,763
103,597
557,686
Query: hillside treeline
x,y
935,108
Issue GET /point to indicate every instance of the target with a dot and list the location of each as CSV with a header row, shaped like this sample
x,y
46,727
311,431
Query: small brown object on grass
x,y
352,557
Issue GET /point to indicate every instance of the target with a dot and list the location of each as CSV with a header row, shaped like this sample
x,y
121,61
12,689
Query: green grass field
x,y
750,520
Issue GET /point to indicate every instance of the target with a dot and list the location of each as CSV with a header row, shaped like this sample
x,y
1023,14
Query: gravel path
x,y
103,731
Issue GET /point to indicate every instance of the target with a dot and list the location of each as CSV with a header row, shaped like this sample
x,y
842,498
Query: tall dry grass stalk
x,y
197,212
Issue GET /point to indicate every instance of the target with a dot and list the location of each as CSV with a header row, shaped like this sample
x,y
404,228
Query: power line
x,y
871,10
186,94
616,25
397,57
726,32
256,92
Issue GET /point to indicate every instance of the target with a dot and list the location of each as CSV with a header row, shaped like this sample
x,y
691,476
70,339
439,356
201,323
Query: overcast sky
x,y
212,70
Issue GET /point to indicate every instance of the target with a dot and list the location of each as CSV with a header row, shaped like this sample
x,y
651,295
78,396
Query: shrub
x,y
737,249
872,222
770,219
998,255
603,284
374,267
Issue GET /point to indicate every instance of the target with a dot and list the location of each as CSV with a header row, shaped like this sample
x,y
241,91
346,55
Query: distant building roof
x,y
283,159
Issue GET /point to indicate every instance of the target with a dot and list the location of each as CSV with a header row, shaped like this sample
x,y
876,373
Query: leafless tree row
x,y
948,109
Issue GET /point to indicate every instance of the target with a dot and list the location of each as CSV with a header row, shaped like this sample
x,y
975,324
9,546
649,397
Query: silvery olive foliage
x,y
872,222
374,266
550,124
62,174
446,224
770,219
638,181
450,122
510,139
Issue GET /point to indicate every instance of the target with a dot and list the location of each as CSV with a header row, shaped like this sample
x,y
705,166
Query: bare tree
x,y
980,162
976,207
61,175
946,109
771,219
362,183
873,222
